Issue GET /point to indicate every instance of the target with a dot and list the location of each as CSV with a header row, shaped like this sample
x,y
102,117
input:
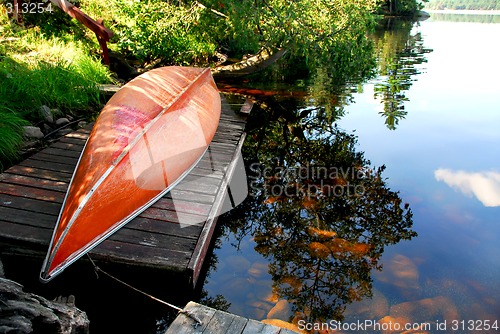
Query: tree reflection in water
x,y
399,52
318,211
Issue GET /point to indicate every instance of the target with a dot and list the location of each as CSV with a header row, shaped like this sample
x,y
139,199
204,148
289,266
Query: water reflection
x,y
320,216
457,17
398,50
319,213
484,185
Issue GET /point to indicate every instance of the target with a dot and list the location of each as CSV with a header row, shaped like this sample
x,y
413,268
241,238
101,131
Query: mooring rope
x,y
178,309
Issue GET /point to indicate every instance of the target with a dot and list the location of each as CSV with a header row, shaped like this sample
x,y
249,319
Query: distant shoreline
x,y
463,11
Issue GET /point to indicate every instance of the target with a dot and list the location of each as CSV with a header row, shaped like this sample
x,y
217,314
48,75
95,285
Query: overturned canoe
x,y
149,135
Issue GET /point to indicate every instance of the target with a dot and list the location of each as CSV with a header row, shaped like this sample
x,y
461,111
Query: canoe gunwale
x,y
46,274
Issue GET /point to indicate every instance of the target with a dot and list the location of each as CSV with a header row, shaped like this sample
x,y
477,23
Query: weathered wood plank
x,y
237,325
40,173
67,146
30,192
223,322
256,327
42,156
186,325
131,253
23,217
168,215
62,152
219,322
156,240
80,142
29,204
163,227
187,196
33,182
80,133
16,233
48,165
199,209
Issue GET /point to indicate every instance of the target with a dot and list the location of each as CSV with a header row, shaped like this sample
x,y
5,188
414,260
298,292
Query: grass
x,y
43,69
50,72
11,127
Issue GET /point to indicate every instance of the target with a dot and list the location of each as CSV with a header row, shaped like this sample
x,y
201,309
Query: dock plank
x,y
218,322
39,173
186,325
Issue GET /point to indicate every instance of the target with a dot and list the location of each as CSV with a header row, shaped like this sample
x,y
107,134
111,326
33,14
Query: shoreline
x,y
462,11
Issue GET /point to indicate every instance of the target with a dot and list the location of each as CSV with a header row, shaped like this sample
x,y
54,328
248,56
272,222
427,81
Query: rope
x,y
186,312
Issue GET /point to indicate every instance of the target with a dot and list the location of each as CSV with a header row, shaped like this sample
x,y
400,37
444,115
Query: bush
x,y
160,30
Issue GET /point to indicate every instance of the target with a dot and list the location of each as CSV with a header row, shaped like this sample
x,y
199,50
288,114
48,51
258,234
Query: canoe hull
x,y
146,139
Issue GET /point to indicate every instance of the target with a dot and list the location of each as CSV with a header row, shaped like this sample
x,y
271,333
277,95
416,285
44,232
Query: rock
x,y
82,124
257,309
369,308
47,128
24,312
258,269
32,132
280,311
401,272
62,121
425,312
47,114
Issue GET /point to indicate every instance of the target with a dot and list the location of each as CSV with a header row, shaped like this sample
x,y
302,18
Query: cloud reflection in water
x,y
484,185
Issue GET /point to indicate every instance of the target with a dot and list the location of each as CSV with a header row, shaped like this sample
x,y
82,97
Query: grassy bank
x,y
37,69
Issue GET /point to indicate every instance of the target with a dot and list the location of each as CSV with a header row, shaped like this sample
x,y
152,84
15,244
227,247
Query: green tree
x,y
400,7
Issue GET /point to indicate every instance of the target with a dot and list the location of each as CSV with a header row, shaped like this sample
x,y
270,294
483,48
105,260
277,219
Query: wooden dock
x,y
219,322
32,192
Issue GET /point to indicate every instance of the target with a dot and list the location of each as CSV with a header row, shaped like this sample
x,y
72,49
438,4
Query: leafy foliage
x,y
159,29
400,7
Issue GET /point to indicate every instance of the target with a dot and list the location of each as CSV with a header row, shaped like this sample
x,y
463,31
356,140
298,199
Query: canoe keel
x,y
147,138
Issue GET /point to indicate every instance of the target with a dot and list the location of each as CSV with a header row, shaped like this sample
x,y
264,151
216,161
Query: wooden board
x,y
218,322
31,194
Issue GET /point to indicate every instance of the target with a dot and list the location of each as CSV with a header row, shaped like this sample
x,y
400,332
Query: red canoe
x,y
147,138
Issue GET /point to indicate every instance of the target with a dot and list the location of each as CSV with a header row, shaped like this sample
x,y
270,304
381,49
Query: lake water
x,y
440,144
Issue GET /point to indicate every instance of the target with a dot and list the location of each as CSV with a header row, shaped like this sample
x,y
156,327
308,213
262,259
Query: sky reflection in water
x,y
444,159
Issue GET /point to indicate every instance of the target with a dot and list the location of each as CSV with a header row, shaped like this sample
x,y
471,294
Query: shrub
x,y
157,29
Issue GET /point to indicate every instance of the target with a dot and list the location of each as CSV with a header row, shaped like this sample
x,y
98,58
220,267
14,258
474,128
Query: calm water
x,y
440,143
